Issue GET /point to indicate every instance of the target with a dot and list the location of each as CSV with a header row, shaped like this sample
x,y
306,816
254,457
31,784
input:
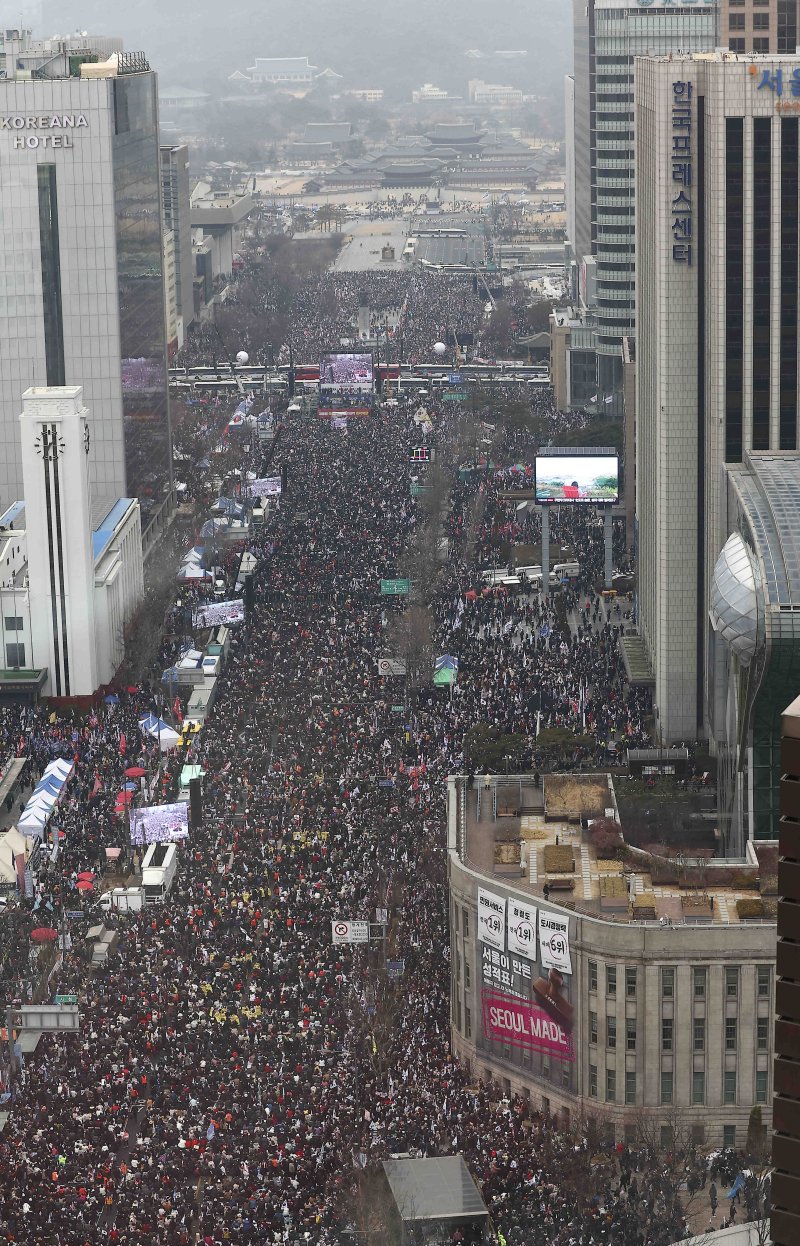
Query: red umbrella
x,y
132,688
86,874
135,772
124,798
85,885
43,934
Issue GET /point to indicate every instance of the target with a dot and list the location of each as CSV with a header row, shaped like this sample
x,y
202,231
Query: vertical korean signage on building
x,y
681,203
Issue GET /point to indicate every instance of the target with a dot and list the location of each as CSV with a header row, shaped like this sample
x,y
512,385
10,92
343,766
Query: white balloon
x,y
242,357
439,348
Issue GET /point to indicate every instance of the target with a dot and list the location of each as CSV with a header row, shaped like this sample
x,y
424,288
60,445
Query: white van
x,y
494,576
567,570
531,573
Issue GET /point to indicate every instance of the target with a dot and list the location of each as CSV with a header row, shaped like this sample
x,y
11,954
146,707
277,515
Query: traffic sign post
x,y
395,588
391,666
349,932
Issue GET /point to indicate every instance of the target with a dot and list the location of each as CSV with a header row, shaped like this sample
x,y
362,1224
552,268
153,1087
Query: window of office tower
x,y
137,205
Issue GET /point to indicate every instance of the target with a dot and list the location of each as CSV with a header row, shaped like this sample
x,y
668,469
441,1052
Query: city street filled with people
x,y
237,1078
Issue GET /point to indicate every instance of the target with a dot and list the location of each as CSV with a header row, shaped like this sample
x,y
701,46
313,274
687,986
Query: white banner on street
x,y
491,919
391,666
350,932
554,942
522,929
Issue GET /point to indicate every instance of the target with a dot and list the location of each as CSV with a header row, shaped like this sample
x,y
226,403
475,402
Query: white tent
x,y
45,796
159,730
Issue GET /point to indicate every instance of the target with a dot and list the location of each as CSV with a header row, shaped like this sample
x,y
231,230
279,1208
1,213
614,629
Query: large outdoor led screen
x,y
155,824
346,383
590,478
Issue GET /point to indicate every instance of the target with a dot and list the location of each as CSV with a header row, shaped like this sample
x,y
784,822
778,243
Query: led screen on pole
x,y
346,384
588,478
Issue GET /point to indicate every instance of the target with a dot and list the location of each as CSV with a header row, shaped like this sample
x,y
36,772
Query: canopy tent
x,y
45,796
193,572
191,772
227,506
445,669
167,737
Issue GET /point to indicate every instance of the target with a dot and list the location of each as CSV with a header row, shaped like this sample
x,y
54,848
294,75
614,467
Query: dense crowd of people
x,y
237,1078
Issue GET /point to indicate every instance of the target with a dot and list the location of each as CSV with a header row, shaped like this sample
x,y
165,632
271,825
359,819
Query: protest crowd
x,y
236,1077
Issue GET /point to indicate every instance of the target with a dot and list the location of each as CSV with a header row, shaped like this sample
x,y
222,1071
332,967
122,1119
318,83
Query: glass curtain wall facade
x,y
607,38
137,211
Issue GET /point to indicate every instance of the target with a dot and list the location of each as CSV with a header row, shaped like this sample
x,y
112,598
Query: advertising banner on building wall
x,y
492,919
523,1024
522,929
507,979
554,942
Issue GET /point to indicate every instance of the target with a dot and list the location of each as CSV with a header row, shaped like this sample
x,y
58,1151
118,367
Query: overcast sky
x,y
396,43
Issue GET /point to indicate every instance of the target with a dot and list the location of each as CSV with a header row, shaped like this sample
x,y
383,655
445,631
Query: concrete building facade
x,y
718,474
662,1022
785,1218
68,588
175,200
761,26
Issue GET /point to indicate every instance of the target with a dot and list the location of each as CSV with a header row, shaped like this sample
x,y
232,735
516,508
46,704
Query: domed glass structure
x,y
734,599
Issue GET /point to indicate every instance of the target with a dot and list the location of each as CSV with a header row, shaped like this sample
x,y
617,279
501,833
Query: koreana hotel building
x,y
81,274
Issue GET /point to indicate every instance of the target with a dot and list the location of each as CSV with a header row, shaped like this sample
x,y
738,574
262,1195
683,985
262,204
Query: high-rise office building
x,y
762,26
718,471
785,1191
608,34
175,198
81,286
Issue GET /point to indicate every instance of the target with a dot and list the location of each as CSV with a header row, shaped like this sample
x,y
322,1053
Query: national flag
x,y
123,744
210,1132
737,1186
97,785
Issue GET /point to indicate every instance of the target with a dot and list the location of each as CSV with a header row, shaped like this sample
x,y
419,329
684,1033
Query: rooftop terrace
x,y
529,837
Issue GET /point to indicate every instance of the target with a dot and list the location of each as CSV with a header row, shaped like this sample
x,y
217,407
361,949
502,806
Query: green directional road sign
x,y
395,588
398,709
418,490
66,999
455,395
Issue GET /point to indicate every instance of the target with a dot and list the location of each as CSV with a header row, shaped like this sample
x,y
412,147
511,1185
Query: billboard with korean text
x,y
526,990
